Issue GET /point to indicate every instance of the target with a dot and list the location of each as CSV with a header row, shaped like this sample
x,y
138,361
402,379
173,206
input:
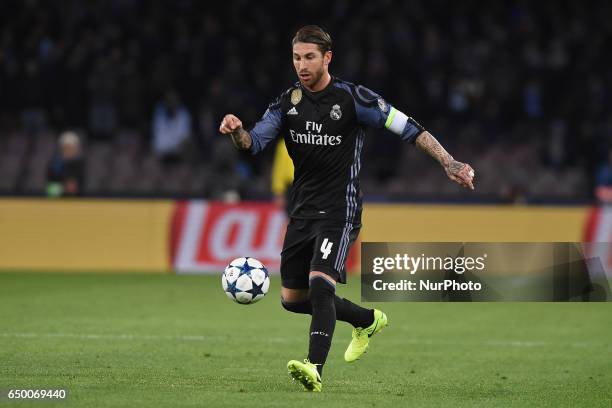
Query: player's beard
x,y
315,78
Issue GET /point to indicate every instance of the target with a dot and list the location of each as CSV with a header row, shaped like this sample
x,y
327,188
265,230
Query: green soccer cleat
x,y
306,373
361,337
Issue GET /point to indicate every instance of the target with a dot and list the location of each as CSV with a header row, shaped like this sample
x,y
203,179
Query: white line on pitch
x,y
91,336
196,338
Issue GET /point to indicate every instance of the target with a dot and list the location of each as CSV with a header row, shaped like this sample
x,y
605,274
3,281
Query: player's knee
x,y
322,292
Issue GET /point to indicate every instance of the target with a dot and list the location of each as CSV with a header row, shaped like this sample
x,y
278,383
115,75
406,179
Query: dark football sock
x,y
356,315
302,307
323,320
346,311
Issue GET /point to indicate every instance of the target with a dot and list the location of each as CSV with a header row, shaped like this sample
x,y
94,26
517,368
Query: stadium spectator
x,y
65,174
282,175
171,128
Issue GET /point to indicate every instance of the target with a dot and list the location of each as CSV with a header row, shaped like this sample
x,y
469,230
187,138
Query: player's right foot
x,y
361,336
306,373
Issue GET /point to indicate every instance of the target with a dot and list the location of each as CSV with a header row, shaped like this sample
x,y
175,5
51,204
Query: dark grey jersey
x,y
324,134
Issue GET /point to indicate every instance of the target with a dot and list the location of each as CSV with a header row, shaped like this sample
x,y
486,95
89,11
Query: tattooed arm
x,y
461,173
231,125
241,139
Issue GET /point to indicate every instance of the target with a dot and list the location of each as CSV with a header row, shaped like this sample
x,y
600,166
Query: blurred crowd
x,y
522,90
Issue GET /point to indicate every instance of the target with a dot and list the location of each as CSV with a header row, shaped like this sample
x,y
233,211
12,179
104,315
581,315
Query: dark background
x,y
521,90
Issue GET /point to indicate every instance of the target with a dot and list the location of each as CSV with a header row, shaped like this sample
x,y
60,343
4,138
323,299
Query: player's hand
x,y
461,173
229,124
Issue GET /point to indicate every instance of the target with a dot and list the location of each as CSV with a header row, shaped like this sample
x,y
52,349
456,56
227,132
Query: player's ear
x,y
327,57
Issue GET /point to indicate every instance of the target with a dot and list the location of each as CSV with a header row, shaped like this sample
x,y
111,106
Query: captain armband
x,y
396,122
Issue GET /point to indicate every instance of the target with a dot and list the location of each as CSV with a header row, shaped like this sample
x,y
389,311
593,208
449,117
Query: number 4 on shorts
x,y
326,248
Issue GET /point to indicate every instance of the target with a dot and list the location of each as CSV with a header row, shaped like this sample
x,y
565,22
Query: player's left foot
x,y
361,336
306,373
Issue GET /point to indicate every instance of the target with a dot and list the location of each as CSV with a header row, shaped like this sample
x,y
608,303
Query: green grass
x,y
145,341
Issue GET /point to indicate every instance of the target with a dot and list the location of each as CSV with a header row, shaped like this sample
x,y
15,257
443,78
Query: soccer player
x,y
323,121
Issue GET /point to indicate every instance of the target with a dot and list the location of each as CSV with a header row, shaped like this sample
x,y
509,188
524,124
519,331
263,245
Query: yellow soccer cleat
x,y
306,373
361,336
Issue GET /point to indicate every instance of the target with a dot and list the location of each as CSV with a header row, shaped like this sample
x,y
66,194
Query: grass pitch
x,y
149,340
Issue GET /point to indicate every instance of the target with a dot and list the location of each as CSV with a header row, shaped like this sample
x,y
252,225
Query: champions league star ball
x,y
245,280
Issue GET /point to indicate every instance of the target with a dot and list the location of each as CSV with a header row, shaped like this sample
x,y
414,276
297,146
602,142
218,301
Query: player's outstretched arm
x,y
461,173
231,125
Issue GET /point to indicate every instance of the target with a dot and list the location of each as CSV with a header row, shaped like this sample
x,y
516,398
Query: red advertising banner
x,y
599,229
207,235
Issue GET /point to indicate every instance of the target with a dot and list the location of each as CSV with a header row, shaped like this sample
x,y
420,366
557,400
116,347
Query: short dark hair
x,y
314,35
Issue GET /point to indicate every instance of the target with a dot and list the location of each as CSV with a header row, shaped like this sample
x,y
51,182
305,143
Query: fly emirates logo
x,y
313,136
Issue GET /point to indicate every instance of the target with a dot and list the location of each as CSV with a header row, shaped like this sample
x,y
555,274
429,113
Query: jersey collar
x,y
322,92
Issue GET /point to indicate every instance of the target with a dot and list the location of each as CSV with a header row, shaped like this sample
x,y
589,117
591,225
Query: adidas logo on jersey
x,y
292,111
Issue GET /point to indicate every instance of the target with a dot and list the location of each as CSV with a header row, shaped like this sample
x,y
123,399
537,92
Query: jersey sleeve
x,y
267,129
373,110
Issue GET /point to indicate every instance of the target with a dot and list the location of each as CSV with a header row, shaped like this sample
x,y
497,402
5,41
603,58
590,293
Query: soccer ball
x,y
245,280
